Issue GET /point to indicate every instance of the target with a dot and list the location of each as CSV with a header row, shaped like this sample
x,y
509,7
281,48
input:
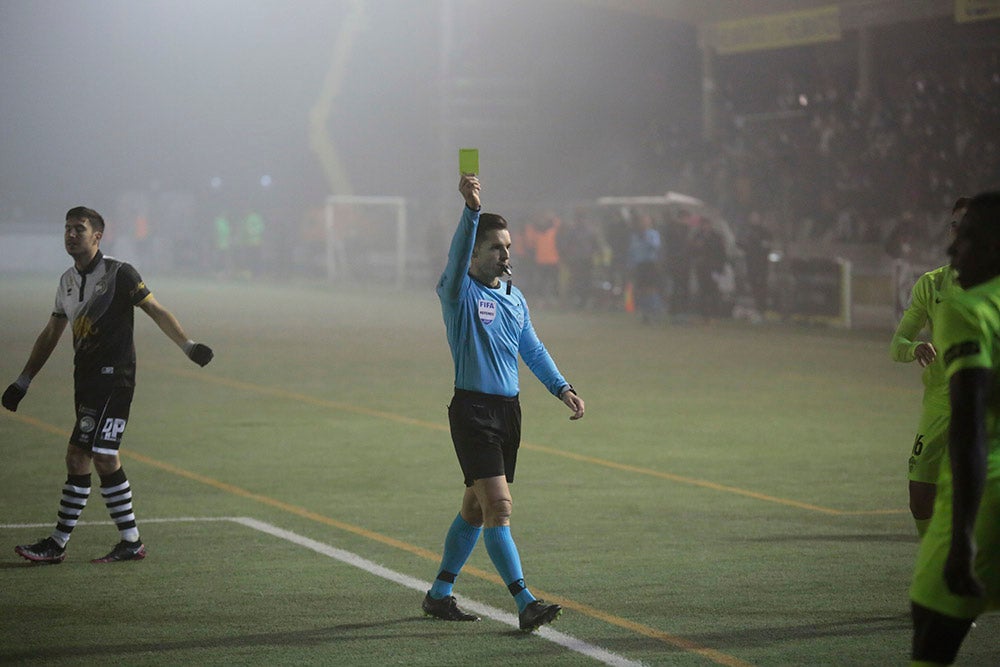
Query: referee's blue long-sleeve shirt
x,y
487,328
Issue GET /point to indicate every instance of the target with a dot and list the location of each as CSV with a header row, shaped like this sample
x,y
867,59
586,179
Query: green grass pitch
x,y
735,495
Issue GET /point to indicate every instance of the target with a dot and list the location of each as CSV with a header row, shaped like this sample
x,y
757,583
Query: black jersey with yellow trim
x,y
98,302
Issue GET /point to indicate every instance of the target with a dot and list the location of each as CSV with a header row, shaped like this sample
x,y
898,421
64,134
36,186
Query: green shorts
x,y
928,588
930,445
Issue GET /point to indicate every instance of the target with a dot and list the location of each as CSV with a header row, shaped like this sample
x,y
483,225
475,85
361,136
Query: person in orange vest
x,y
543,240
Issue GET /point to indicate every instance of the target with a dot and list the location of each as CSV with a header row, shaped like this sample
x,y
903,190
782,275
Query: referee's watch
x,y
568,387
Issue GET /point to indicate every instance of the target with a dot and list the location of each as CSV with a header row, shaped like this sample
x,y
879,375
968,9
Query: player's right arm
x,y
904,345
460,252
40,353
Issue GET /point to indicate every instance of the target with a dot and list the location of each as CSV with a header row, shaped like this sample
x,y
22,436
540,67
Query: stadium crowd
x,y
806,157
822,161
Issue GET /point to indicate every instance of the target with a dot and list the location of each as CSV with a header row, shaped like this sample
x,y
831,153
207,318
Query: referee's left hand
x,y
574,403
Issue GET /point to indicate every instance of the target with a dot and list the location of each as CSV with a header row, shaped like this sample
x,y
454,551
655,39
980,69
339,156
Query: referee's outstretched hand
x,y
12,396
200,354
574,403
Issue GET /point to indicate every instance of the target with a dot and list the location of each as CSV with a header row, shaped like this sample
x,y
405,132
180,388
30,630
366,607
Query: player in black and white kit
x,y
96,297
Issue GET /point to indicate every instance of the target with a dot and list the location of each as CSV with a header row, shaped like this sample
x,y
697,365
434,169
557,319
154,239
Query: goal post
x,y
366,239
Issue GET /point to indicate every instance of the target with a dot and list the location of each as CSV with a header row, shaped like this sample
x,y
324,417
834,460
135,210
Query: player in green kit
x,y
957,574
932,431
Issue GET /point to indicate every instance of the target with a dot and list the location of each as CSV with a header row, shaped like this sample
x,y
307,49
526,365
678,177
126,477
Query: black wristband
x,y
567,387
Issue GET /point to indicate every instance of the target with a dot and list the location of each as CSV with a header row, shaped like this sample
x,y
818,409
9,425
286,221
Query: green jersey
x,y
968,336
925,300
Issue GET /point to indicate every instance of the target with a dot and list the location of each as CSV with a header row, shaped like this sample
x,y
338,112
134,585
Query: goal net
x,y
366,239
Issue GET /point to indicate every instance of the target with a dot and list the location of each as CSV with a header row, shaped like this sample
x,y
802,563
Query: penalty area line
x,y
562,639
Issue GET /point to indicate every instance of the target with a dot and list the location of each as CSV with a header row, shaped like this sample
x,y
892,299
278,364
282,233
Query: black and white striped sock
x,y
75,493
118,497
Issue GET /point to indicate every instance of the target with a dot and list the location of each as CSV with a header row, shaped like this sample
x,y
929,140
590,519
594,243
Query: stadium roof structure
x,y
699,12
855,12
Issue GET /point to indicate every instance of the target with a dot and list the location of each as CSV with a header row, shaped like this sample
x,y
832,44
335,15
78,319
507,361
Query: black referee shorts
x,y
486,432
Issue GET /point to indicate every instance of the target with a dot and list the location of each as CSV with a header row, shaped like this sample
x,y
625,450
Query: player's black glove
x,y
12,397
199,353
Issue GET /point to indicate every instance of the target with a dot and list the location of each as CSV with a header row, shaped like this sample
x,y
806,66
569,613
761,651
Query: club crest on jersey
x,y
487,311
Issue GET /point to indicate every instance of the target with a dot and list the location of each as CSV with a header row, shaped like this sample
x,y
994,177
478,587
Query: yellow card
x,y
468,160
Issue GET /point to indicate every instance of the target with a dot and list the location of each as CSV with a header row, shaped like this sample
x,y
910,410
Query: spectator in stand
x,y
644,261
542,239
708,258
577,245
678,262
756,246
617,234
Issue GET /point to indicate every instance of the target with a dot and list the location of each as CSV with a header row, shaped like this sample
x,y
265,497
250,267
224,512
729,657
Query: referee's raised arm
x,y
462,242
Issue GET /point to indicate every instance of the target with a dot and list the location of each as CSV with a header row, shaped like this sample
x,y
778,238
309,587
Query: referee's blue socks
x,y
503,552
458,546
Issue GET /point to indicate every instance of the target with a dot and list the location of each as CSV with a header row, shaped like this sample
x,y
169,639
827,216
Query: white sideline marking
x,y
562,639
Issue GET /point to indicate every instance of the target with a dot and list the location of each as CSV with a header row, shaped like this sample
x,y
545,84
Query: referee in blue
x,y
488,326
